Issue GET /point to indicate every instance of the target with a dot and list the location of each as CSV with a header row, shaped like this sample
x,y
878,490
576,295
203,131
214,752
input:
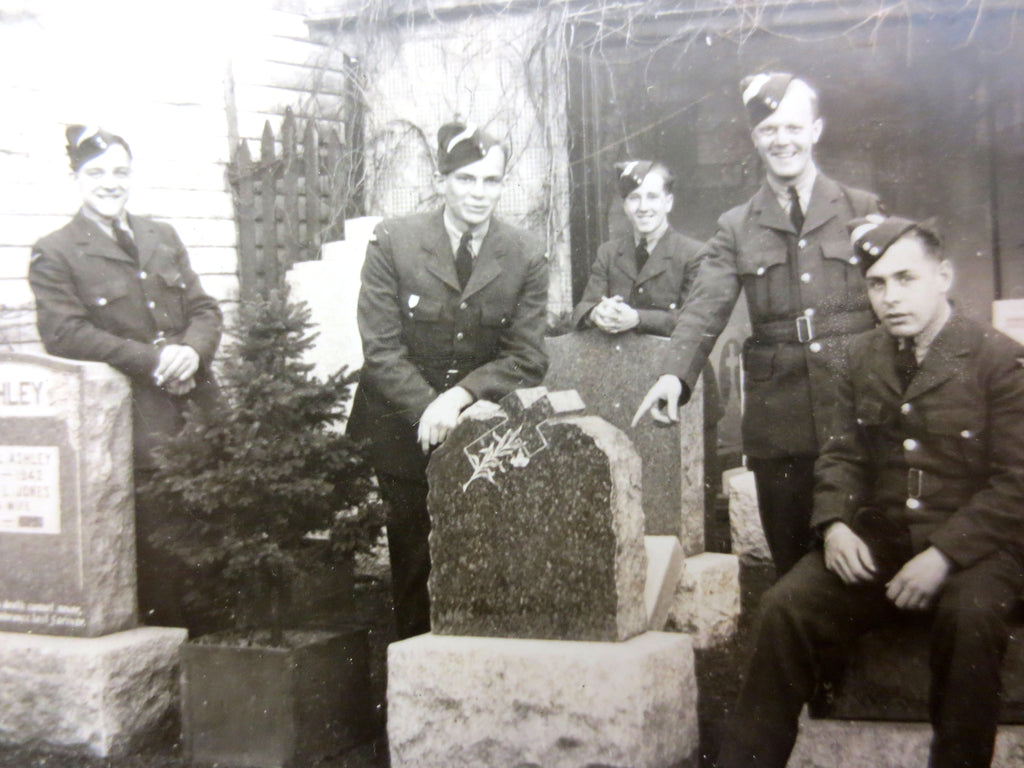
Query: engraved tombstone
x,y
537,530
67,538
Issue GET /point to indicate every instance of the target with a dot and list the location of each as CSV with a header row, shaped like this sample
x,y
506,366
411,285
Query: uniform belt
x,y
921,484
806,327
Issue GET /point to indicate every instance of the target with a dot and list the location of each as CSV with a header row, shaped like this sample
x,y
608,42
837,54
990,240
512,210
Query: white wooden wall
x,y
180,81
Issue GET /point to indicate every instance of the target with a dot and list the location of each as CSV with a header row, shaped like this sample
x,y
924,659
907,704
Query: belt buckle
x,y
915,483
804,329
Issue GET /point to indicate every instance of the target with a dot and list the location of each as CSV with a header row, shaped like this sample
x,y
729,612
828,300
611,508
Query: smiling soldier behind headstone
x,y
119,289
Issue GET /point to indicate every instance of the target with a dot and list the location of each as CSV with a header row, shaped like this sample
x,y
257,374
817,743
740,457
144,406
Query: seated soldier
x,y
919,504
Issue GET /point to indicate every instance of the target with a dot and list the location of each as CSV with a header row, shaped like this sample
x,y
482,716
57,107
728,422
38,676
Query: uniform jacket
x,y
790,365
94,302
656,292
945,459
422,335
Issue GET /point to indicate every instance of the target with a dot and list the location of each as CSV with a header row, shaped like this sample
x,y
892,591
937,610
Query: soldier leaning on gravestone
x,y
919,508
787,248
119,289
452,309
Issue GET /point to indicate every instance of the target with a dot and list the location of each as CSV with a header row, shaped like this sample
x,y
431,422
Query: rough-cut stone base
x,y
103,695
664,568
744,519
466,702
870,744
707,600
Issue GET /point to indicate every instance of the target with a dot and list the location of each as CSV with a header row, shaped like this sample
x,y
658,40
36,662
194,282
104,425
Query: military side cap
x,y
86,142
459,145
632,174
762,93
872,235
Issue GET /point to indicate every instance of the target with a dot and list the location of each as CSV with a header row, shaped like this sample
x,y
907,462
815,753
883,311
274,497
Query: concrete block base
x,y
465,702
879,744
104,695
707,599
745,529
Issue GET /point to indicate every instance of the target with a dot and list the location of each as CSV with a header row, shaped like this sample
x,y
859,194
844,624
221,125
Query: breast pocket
x,y
959,434
426,331
170,298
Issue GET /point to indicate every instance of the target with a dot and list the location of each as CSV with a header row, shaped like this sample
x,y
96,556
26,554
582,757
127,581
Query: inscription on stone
x,y
29,489
67,535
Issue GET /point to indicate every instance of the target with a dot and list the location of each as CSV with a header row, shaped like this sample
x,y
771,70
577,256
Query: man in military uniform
x,y
787,248
119,289
639,280
452,309
919,506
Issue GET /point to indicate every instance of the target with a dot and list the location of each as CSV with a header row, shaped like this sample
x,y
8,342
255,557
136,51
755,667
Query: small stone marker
x,y
537,530
612,375
67,534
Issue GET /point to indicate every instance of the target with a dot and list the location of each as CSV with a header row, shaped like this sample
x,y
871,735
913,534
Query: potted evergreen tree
x,y
246,487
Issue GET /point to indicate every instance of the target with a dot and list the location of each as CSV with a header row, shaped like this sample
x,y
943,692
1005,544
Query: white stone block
x,y
707,600
876,744
748,539
467,702
664,567
102,695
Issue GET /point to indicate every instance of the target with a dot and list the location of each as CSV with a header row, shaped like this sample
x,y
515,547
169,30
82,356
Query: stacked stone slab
x,y
75,669
539,654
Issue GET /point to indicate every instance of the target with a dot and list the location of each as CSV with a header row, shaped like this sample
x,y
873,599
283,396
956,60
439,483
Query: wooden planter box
x,y
276,707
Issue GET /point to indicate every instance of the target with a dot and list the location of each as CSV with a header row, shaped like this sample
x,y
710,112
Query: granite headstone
x,y
612,374
537,530
67,534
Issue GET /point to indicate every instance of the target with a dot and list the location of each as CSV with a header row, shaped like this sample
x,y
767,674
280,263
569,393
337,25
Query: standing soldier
x,y
787,248
119,288
452,309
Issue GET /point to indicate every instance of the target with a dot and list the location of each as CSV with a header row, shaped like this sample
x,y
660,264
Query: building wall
x,y
180,81
488,68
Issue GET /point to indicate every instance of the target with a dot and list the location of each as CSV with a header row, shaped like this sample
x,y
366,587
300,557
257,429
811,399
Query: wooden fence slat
x,y
311,173
337,177
272,273
246,206
290,176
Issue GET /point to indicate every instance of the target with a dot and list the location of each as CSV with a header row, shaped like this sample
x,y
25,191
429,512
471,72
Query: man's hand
x,y
918,582
177,363
613,315
662,400
441,416
847,556
181,387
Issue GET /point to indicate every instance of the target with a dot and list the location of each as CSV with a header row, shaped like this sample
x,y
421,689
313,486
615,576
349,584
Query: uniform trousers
x,y
810,612
785,500
408,526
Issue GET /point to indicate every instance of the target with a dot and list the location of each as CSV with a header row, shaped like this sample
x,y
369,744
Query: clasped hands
x,y
441,416
176,368
613,315
913,588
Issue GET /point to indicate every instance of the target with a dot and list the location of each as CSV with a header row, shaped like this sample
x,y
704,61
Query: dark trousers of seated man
x,y
408,527
811,612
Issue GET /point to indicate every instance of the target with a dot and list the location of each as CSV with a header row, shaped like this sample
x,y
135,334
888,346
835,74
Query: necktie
x,y
125,241
641,254
464,260
796,213
906,361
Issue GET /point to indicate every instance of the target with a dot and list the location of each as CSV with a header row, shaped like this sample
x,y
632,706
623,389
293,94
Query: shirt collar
x,y
455,233
652,239
804,186
104,225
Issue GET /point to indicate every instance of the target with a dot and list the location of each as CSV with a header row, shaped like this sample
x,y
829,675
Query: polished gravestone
x,y
539,654
612,374
536,524
67,537
76,671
